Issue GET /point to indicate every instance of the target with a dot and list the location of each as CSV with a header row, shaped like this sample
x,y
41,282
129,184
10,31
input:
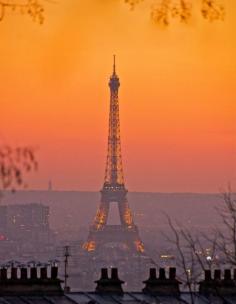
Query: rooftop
x,y
45,287
126,298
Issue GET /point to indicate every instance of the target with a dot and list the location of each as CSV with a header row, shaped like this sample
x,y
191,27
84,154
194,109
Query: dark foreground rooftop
x,y
126,298
33,286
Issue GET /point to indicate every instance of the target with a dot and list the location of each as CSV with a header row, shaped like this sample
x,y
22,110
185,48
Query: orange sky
x,y
177,96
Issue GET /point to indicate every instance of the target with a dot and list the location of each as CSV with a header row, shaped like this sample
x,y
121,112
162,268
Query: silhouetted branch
x,y
191,256
185,265
14,164
196,252
212,10
227,234
33,8
133,3
163,11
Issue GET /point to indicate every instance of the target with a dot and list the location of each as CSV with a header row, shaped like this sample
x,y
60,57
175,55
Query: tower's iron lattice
x,y
114,188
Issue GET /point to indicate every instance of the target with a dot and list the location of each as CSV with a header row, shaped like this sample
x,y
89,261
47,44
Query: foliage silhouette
x,y
163,11
14,164
33,8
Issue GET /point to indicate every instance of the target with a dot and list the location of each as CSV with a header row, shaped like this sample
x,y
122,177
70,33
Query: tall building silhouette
x,y
114,190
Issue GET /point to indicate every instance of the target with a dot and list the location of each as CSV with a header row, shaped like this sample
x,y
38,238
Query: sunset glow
x,y
177,96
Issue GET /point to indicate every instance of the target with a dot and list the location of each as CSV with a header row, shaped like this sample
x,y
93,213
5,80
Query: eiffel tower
x,y
126,234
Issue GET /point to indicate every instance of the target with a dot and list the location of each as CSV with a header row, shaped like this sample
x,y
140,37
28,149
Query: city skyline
x,y
177,97
118,151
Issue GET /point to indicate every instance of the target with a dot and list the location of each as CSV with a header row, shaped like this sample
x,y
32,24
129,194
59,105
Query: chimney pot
x,y
43,273
217,274
3,274
162,286
109,285
23,273
227,274
114,274
162,274
104,274
235,274
33,273
172,273
152,273
207,275
14,273
54,272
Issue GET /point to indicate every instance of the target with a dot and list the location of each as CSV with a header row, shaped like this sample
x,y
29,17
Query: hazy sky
x,y
177,96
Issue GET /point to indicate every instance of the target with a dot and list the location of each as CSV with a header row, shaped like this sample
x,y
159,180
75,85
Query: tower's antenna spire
x,y
114,64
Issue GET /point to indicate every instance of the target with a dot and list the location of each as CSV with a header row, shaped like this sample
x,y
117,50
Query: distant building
x,y
24,222
50,186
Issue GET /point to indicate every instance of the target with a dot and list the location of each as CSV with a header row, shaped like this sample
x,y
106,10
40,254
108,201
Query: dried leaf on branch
x,y
14,164
33,8
163,11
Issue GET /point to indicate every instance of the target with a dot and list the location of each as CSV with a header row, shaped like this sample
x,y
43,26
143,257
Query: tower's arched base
x,y
126,238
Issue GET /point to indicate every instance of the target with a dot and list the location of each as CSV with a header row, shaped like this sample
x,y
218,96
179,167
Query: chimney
x,y
217,274
43,273
33,273
172,273
152,274
23,273
114,274
31,286
3,274
234,274
54,272
162,286
14,273
207,275
218,286
162,274
109,285
228,285
104,274
227,275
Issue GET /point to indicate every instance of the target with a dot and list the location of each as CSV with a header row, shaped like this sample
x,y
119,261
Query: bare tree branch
x,y
227,233
184,264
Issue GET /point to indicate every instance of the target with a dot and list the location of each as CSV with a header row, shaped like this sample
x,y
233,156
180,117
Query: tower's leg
x,y
127,220
99,222
126,217
102,215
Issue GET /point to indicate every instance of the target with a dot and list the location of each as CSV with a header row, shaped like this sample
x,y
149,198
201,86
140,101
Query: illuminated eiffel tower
x,y
126,234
